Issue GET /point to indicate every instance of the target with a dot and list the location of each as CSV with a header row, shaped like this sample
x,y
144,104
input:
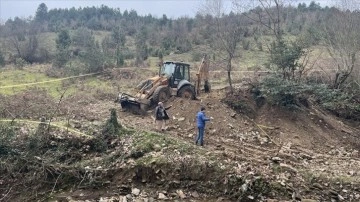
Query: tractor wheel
x,y
187,92
161,94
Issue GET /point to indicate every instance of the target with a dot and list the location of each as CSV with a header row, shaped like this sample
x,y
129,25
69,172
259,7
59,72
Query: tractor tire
x,y
161,94
187,92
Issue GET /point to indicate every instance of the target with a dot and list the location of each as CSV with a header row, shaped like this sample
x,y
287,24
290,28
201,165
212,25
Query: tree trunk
x,y
229,75
16,45
117,56
340,78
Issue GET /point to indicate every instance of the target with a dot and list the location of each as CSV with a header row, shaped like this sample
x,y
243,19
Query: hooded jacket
x,y
160,113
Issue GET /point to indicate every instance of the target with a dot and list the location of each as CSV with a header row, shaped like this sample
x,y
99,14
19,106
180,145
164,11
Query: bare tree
x,y
341,30
267,13
288,56
22,39
228,32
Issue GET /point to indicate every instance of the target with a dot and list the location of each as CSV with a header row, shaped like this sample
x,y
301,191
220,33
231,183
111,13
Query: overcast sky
x,y
173,9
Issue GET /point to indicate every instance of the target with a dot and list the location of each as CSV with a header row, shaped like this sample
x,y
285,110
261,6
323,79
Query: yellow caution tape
x,y
41,82
52,124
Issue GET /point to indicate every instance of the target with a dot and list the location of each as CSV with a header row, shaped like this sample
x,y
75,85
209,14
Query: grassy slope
x,y
250,59
245,60
33,74
9,77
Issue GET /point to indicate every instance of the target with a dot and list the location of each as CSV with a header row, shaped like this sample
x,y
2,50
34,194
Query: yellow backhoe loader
x,y
173,80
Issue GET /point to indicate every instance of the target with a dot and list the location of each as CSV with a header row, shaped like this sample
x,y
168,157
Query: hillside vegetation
x,y
303,45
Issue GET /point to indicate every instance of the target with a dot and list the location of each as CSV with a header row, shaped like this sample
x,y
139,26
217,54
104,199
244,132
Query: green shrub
x,y
94,59
2,59
120,60
285,57
44,55
112,126
280,92
7,133
62,56
20,63
291,94
98,144
339,102
246,44
63,43
36,142
75,67
128,54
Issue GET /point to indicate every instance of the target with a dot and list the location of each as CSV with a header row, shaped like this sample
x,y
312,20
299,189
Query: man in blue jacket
x,y
201,119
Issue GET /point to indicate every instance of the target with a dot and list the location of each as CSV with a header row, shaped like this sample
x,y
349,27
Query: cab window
x,y
179,72
167,69
186,73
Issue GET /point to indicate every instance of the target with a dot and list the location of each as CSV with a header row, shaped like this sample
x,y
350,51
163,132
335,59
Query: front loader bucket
x,y
132,104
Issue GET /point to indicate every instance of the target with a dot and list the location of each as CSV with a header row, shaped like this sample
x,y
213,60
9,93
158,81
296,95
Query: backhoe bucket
x,y
134,104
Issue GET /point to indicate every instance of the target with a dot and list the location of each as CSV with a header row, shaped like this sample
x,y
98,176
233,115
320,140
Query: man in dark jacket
x,y
201,120
161,116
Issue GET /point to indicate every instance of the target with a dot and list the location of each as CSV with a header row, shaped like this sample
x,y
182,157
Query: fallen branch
x,y
6,194
57,108
55,183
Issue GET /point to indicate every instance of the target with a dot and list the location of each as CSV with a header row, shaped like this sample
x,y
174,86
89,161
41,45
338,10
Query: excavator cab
x,y
176,72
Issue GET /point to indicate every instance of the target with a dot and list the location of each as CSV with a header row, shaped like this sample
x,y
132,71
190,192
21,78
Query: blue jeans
x,y
200,136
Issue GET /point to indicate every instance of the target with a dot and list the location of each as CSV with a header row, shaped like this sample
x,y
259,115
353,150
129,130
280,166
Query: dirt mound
x,y
224,120
310,128
258,148
237,119
251,153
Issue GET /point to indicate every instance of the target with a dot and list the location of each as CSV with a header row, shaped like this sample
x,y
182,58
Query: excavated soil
x,y
309,143
251,152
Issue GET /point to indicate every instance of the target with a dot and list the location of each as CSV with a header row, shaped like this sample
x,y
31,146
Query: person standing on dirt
x,y
201,120
161,116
